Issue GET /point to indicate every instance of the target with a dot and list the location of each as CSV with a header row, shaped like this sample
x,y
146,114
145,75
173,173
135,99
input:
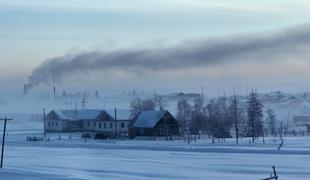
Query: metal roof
x,y
74,115
147,119
91,114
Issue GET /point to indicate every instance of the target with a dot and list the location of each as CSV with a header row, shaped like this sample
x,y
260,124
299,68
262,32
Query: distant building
x,y
303,121
153,123
98,121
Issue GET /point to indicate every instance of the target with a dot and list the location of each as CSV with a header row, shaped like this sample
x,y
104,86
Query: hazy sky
x,y
32,31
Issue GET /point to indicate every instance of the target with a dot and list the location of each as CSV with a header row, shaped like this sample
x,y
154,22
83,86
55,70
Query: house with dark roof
x,y
153,123
90,120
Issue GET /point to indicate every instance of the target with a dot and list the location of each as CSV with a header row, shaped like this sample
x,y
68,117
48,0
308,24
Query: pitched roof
x,y
91,114
73,115
147,119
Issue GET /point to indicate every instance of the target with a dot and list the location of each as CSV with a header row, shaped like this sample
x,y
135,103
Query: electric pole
x,y
83,102
115,123
252,115
3,139
235,117
44,123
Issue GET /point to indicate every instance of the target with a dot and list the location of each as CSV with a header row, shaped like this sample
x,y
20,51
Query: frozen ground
x,y
139,159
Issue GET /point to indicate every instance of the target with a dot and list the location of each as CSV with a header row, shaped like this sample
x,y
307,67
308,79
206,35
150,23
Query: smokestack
x,y
54,90
25,91
27,87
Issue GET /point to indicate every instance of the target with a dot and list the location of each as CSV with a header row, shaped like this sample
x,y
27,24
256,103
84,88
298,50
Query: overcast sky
x,y
33,31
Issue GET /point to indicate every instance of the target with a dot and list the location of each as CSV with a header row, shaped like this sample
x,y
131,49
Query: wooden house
x,y
153,123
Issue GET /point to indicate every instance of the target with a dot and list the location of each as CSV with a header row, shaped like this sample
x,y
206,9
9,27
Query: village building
x,y
123,118
153,123
302,121
96,121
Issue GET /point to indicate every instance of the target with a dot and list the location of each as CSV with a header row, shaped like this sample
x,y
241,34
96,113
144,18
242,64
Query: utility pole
x,y
83,102
288,116
3,139
115,128
54,91
252,115
44,123
235,117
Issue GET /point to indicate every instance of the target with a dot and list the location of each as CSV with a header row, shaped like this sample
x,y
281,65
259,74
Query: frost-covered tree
x,y
137,105
271,121
198,116
148,105
183,114
160,102
254,116
219,119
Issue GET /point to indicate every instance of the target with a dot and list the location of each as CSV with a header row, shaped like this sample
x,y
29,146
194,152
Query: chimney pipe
x,y
25,91
54,90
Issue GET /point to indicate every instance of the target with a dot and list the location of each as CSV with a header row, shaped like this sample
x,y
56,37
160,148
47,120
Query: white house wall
x,y
106,126
55,125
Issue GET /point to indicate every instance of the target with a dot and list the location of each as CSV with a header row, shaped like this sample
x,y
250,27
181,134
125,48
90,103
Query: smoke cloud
x,y
293,42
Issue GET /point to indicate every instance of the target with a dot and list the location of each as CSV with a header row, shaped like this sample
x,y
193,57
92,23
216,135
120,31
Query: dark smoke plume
x,y
293,42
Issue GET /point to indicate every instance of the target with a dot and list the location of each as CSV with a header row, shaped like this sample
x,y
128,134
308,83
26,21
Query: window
x,y
88,124
49,123
104,125
52,123
111,125
94,124
100,126
55,123
122,125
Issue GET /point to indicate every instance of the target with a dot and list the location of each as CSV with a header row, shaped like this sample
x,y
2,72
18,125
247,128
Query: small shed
x,y
153,123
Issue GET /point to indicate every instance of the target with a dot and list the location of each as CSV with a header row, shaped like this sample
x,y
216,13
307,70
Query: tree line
x,y
222,115
218,117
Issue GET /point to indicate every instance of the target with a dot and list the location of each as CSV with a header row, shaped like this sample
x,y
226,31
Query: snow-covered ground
x,y
140,159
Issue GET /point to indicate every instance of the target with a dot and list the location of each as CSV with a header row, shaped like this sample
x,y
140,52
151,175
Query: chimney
x,y
54,90
25,89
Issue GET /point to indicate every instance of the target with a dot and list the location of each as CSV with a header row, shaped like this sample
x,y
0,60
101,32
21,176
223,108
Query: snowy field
x,y
140,159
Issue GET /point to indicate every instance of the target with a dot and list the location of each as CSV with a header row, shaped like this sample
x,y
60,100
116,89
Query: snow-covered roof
x,y
147,119
91,114
73,115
